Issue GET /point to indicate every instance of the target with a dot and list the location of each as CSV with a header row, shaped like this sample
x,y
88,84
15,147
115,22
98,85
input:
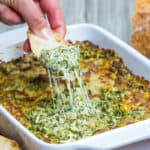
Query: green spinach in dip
x,y
62,110
62,118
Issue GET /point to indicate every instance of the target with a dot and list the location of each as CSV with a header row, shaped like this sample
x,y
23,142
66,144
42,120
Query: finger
x,y
9,16
55,15
35,18
26,46
33,15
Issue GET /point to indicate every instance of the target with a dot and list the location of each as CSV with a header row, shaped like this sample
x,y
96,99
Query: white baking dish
x,y
107,140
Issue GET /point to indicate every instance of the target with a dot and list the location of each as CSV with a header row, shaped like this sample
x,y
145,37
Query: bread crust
x,y
142,6
7,144
140,39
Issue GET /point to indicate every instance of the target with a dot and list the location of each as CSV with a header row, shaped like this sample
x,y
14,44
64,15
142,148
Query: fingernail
x,y
47,34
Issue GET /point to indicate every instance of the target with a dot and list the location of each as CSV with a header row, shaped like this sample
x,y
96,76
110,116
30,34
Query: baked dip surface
x,y
117,97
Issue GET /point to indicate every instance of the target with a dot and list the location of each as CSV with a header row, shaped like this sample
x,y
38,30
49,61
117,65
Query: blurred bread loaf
x,y
140,39
7,144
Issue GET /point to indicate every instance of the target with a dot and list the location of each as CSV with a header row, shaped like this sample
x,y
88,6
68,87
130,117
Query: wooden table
x,y
113,15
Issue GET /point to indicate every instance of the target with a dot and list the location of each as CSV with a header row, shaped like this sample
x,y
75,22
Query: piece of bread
x,y
140,39
142,6
38,44
7,144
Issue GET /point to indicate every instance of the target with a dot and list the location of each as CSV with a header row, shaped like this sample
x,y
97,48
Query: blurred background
x,y
113,15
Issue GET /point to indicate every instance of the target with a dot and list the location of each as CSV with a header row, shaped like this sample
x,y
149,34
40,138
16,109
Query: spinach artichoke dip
x,y
93,92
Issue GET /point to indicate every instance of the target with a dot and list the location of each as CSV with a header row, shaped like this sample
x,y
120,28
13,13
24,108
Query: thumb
x,y
32,14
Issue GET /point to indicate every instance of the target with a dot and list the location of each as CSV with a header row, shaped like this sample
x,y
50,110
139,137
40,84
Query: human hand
x,y
33,12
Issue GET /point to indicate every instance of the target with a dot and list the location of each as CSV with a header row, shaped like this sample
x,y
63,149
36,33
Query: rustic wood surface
x,y
113,15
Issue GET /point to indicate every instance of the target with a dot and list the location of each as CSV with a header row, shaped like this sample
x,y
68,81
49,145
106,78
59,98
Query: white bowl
x,y
136,62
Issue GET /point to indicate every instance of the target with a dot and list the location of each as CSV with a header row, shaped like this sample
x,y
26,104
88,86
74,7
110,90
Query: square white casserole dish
x,y
137,63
